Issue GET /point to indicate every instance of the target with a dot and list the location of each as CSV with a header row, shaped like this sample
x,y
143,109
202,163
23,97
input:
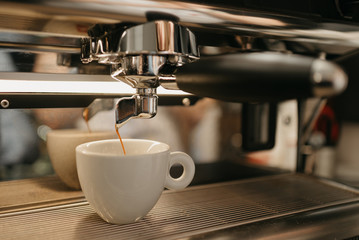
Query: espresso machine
x,y
133,56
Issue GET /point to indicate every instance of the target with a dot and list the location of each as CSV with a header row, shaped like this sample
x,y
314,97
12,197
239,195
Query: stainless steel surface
x,y
141,105
98,105
42,15
168,82
35,193
163,38
337,222
35,27
48,37
35,90
328,78
38,41
45,37
196,211
77,100
315,107
140,71
139,55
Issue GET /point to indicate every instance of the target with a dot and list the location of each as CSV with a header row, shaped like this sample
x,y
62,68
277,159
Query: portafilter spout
x,y
144,57
98,105
141,105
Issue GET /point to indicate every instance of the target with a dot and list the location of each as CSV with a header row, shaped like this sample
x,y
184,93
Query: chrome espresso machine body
x,y
79,54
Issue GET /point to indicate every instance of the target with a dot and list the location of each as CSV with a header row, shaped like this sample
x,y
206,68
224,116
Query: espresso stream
x,y
119,136
86,117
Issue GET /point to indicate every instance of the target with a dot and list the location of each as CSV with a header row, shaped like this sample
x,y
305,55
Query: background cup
x,y
123,189
61,145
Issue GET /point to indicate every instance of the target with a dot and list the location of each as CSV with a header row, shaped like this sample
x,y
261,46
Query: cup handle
x,y
188,171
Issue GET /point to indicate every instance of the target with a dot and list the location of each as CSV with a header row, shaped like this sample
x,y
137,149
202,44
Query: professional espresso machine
x,y
135,56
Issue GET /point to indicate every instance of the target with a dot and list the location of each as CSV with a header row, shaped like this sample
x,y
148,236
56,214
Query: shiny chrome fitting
x,y
144,57
328,79
98,105
141,54
141,105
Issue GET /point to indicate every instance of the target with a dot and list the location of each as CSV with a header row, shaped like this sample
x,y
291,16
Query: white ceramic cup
x,y
123,189
61,145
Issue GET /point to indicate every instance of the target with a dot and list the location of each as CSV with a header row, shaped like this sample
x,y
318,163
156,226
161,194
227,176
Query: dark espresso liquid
x,y
119,136
86,117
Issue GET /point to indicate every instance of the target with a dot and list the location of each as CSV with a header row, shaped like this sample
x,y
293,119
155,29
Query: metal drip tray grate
x,y
184,213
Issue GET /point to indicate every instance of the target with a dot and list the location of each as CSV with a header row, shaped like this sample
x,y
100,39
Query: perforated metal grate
x,y
183,213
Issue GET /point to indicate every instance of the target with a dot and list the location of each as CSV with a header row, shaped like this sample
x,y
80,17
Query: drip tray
x,y
195,210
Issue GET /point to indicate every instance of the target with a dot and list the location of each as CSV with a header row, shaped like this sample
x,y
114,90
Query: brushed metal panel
x,y
180,214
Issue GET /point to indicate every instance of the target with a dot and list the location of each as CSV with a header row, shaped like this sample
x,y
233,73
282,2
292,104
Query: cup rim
x,y
82,148
77,133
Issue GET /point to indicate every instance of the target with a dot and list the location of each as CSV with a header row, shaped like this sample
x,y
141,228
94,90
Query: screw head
x,y
5,103
186,102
